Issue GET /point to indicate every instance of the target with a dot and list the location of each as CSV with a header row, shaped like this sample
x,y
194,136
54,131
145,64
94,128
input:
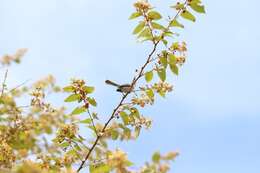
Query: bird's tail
x,y
109,82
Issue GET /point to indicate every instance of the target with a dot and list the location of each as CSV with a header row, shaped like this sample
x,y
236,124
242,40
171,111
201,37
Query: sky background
x,y
213,116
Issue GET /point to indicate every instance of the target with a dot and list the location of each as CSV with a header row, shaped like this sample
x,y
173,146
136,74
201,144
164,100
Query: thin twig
x,y
148,23
18,86
77,153
3,85
92,121
175,17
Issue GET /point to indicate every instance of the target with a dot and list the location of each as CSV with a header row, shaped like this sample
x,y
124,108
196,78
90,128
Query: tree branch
x,y
134,81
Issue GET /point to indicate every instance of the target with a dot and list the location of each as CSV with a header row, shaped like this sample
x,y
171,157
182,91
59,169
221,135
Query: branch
x,y
134,81
3,85
18,86
175,17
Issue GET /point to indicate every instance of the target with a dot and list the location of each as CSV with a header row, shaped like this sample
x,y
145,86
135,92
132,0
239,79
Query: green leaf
x,y
86,121
156,157
89,89
162,94
174,69
154,15
150,93
124,117
114,134
196,1
127,132
162,74
165,42
137,131
91,127
77,147
139,28
102,168
72,98
135,15
128,163
135,112
157,26
78,110
175,23
172,59
64,144
175,45
145,33
68,89
147,38
163,60
168,34
2,101
92,101
149,76
198,8
187,15
72,152
171,156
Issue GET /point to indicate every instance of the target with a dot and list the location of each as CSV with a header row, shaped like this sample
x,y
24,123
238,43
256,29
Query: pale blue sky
x,y
213,116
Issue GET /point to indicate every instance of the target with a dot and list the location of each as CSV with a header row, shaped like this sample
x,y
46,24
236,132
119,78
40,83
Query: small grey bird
x,y
125,88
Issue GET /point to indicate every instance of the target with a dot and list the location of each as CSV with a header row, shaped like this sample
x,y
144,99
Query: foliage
x,y
39,138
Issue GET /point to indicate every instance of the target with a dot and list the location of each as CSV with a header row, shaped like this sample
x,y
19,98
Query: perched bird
x,y
125,88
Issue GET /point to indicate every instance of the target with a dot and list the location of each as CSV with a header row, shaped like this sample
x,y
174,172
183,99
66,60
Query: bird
x,y
125,88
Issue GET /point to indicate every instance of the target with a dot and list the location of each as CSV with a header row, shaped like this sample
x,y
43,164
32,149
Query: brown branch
x,y
134,81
